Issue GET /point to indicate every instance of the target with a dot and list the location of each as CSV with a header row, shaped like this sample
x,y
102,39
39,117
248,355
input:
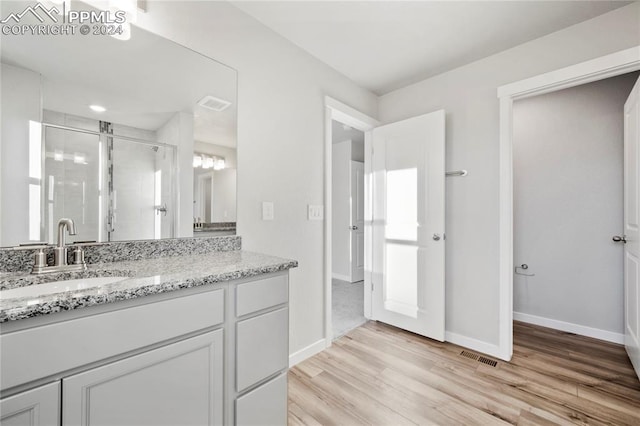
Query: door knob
x,y
618,238
436,237
353,228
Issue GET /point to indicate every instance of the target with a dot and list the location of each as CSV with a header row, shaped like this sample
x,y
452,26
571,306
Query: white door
x,y
357,221
407,175
631,223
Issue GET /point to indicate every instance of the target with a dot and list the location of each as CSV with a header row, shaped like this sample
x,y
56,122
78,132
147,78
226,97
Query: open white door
x,y
631,223
407,175
357,221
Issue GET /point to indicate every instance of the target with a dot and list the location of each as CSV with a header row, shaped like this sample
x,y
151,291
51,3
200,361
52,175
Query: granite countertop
x,y
147,276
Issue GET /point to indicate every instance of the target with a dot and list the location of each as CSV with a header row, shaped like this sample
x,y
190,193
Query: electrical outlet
x,y
315,212
267,210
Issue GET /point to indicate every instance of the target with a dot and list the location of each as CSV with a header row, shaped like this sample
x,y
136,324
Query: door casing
x,y
607,66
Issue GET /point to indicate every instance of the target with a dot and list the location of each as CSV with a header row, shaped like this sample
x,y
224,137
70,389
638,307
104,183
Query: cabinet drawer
x,y
54,348
265,405
262,347
262,294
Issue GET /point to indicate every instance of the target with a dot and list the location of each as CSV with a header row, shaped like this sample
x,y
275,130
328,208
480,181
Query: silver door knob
x,y
618,239
353,228
436,237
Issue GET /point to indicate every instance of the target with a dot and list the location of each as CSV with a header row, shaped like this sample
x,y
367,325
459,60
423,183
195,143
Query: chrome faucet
x,y
60,262
60,251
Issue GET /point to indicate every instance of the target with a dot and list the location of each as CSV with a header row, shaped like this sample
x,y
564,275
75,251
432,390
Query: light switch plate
x,y
315,212
267,210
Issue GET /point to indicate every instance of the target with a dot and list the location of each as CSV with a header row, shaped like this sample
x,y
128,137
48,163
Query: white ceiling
x,y
386,45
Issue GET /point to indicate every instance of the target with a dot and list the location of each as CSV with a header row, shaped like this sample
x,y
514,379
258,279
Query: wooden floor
x,y
378,374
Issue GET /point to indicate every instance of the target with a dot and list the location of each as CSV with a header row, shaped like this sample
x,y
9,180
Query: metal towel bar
x,y
456,173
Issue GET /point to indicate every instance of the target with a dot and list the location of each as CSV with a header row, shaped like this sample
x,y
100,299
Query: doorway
x,y
567,206
343,115
593,70
347,215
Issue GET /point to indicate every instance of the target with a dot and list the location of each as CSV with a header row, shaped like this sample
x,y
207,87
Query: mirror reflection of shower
x,y
131,172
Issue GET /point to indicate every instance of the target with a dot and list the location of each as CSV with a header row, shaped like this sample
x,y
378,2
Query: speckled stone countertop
x,y
148,276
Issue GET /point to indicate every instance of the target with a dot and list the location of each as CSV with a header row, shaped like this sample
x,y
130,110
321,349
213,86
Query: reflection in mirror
x,y
104,131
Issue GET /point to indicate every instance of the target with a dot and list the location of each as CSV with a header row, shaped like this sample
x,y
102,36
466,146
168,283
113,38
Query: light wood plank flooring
x,y
378,374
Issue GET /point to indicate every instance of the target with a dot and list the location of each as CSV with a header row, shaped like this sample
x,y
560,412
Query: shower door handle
x,y
162,208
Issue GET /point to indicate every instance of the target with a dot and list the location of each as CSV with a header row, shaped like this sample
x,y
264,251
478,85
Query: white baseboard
x,y
582,330
341,277
307,352
474,344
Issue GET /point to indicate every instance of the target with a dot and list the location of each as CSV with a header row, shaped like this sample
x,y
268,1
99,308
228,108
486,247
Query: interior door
x,y
407,168
631,223
357,221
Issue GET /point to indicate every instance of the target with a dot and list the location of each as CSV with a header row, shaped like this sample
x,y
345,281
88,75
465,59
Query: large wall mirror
x,y
132,139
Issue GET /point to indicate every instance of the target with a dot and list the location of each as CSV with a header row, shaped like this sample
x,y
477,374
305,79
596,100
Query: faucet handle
x,y
78,255
39,258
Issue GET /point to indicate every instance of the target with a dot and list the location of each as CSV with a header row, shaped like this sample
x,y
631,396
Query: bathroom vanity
x,y
199,338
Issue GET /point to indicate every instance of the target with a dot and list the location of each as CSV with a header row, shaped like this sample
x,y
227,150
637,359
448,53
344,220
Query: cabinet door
x,y
177,384
265,405
39,406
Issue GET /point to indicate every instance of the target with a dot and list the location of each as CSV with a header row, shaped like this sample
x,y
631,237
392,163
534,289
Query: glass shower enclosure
x,y
133,179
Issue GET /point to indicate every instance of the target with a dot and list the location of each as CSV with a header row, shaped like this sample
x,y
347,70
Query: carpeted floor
x,y
347,306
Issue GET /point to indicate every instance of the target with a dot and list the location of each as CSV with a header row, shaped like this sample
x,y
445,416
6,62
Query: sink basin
x,y
58,287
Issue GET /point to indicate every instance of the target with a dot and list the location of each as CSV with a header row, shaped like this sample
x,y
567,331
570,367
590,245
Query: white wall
x,y
468,94
224,196
281,93
21,90
178,131
341,211
567,165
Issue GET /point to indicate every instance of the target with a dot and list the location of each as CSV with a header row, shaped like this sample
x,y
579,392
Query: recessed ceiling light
x,y
97,108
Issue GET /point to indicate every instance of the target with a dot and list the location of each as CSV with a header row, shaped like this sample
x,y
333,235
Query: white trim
x,y
473,344
600,68
582,330
341,277
335,110
596,69
308,352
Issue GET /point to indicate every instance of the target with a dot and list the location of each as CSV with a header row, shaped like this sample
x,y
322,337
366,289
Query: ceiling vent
x,y
213,103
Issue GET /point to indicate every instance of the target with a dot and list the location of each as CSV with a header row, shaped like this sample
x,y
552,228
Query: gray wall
x,y
469,96
568,162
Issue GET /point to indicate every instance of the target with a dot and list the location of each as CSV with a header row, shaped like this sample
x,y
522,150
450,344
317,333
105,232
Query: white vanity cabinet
x,y
262,357
35,407
200,356
177,384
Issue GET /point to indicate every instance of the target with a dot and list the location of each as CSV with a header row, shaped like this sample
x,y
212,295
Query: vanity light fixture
x,y
208,161
97,108
218,164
